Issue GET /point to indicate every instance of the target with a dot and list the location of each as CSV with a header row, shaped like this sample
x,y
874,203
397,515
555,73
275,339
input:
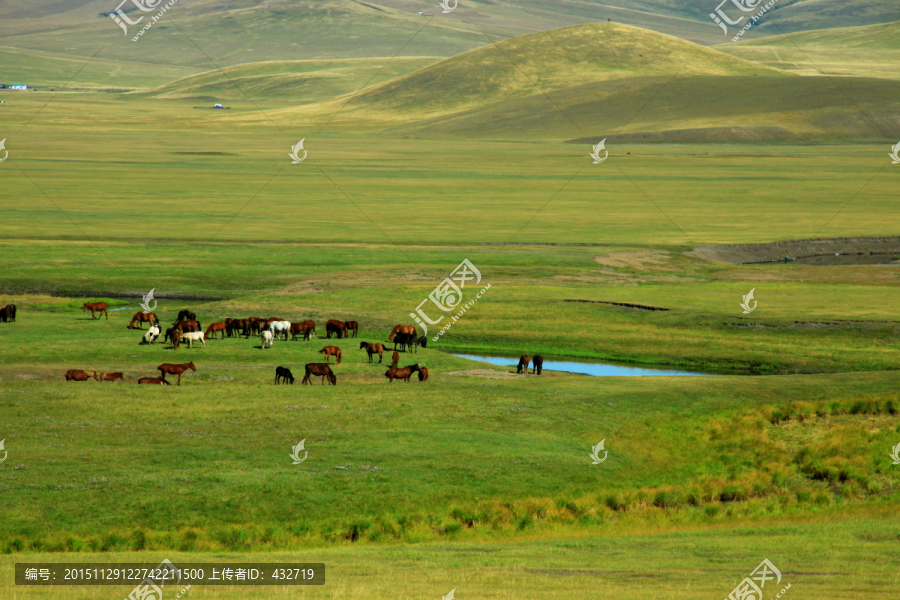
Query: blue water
x,y
132,307
584,368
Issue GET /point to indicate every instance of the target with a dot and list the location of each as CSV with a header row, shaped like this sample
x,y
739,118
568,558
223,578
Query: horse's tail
x,y
339,356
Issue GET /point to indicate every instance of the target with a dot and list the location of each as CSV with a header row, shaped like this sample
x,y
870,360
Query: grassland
x,y
869,51
477,479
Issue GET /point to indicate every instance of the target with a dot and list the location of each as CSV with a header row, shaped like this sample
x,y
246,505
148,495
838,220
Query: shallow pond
x,y
595,369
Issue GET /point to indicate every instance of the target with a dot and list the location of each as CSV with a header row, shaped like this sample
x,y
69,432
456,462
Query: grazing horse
x,y
330,351
195,336
186,315
172,335
538,362
523,364
406,341
76,375
99,307
280,328
8,313
156,380
151,335
188,326
111,377
402,329
373,349
284,374
403,373
312,327
422,341
170,369
395,360
214,328
335,326
267,338
236,326
141,317
423,373
352,326
300,329
319,369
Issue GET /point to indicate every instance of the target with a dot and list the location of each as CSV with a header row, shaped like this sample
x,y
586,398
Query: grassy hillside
x,y
297,81
687,109
871,51
540,62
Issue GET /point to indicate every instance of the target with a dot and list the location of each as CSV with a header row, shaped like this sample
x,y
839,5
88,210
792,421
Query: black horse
x,y
284,374
186,315
538,362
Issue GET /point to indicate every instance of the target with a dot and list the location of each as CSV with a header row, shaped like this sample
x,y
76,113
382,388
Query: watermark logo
x,y
596,153
449,596
148,588
295,149
751,587
296,452
3,147
747,6
445,4
146,303
448,296
746,303
6,453
595,453
123,21
895,453
895,153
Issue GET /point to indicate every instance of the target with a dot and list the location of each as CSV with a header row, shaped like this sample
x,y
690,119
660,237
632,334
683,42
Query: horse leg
x,y
105,313
380,357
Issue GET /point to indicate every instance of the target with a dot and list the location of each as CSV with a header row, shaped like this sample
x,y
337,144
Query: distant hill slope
x,y
534,64
300,81
870,51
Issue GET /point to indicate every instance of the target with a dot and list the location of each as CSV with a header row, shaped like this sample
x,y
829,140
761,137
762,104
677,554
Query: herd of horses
x,y
188,329
164,369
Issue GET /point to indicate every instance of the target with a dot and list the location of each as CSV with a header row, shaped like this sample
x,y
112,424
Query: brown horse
x,y
171,369
319,369
188,326
352,326
312,327
335,326
300,329
141,317
173,335
99,307
402,329
76,375
423,373
395,359
156,380
8,313
523,364
330,351
538,362
403,373
373,349
110,377
215,328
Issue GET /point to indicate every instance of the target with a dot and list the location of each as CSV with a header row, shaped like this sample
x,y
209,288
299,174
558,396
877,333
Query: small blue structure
x,y
18,86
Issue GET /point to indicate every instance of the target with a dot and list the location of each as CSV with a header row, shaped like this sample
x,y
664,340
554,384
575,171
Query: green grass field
x,y
479,480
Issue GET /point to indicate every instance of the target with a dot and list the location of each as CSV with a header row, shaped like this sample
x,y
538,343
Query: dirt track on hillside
x,y
828,251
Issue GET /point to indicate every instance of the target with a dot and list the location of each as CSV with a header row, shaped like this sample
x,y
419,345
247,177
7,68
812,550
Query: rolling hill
x,y
531,65
870,51
588,82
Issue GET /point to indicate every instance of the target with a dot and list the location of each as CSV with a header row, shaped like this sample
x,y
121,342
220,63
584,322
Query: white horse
x,y
192,337
280,328
266,336
151,335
